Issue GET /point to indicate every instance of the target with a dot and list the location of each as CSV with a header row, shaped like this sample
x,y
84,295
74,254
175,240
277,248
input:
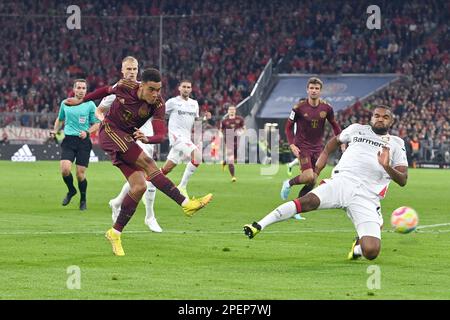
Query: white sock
x,y
190,169
357,250
149,199
283,212
293,163
119,199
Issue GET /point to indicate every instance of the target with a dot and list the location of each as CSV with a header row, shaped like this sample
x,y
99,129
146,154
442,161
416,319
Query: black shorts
x,y
75,147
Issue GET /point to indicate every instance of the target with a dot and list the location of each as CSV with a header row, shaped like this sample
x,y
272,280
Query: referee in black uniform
x,y
79,122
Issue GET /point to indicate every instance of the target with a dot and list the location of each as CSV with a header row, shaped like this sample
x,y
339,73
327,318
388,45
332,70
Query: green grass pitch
x,y
207,256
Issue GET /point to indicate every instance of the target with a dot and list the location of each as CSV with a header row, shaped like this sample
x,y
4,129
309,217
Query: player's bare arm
x,y
399,174
331,146
289,131
100,112
58,124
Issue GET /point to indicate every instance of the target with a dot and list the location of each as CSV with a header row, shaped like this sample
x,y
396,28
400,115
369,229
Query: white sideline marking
x,y
38,233
434,225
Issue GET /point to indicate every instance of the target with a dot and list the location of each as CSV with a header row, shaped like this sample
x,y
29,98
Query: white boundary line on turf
x,y
434,225
38,233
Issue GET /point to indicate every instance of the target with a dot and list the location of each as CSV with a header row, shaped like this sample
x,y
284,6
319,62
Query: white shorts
x,y
363,207
181,151
147,148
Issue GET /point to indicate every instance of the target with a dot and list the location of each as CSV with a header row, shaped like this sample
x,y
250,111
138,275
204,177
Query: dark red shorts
x,y
308,159
121,147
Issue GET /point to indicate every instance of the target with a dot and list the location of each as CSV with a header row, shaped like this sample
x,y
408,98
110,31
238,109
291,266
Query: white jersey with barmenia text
x,y
182,114
360,159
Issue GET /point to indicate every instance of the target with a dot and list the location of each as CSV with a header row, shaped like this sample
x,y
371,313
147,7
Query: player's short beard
x,y
380,131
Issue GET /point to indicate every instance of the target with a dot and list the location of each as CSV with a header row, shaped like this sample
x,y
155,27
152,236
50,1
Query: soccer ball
x,y
404,220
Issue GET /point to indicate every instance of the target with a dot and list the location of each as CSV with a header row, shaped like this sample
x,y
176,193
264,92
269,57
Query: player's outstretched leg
x,y
283,212
162,183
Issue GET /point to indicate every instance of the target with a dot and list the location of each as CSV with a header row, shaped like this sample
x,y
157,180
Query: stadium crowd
x,y
223,47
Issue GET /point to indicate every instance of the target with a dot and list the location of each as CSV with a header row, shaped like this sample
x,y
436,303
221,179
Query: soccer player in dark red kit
x,y
135,103
232,126
309,116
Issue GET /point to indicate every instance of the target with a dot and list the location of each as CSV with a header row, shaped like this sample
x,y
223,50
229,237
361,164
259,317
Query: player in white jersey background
x,y
130,69
182,111
359,181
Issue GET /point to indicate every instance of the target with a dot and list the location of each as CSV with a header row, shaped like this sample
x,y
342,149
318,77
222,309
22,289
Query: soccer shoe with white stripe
x,y
285,189
116,243
196,204
351,255
233,179
115,210
153,225
251,230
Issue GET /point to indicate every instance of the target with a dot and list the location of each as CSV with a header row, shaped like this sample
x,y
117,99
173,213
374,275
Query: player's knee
x,y
81,176
310,178
65,171
139,188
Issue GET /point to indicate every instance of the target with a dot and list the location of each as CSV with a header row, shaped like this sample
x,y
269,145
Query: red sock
x,y
298,205
231,168
294,181
161,182
127,210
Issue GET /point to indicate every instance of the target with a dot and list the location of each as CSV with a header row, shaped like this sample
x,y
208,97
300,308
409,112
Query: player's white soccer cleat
x,y
115,210
285,189
153,225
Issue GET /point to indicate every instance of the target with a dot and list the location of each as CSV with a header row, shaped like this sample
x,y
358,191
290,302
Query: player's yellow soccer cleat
x,y
116,243
289,170
233,179
196,204
351,255
224,164
183,191
251,230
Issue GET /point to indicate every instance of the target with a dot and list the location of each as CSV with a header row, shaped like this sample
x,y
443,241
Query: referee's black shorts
x,y
75,147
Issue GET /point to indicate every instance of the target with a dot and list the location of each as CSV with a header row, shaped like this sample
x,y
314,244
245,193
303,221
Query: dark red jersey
x,y
129,112
236,123
310,122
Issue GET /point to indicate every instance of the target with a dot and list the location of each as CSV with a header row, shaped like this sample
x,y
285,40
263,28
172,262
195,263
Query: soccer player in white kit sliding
x,y
359,181
130,70
182,111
